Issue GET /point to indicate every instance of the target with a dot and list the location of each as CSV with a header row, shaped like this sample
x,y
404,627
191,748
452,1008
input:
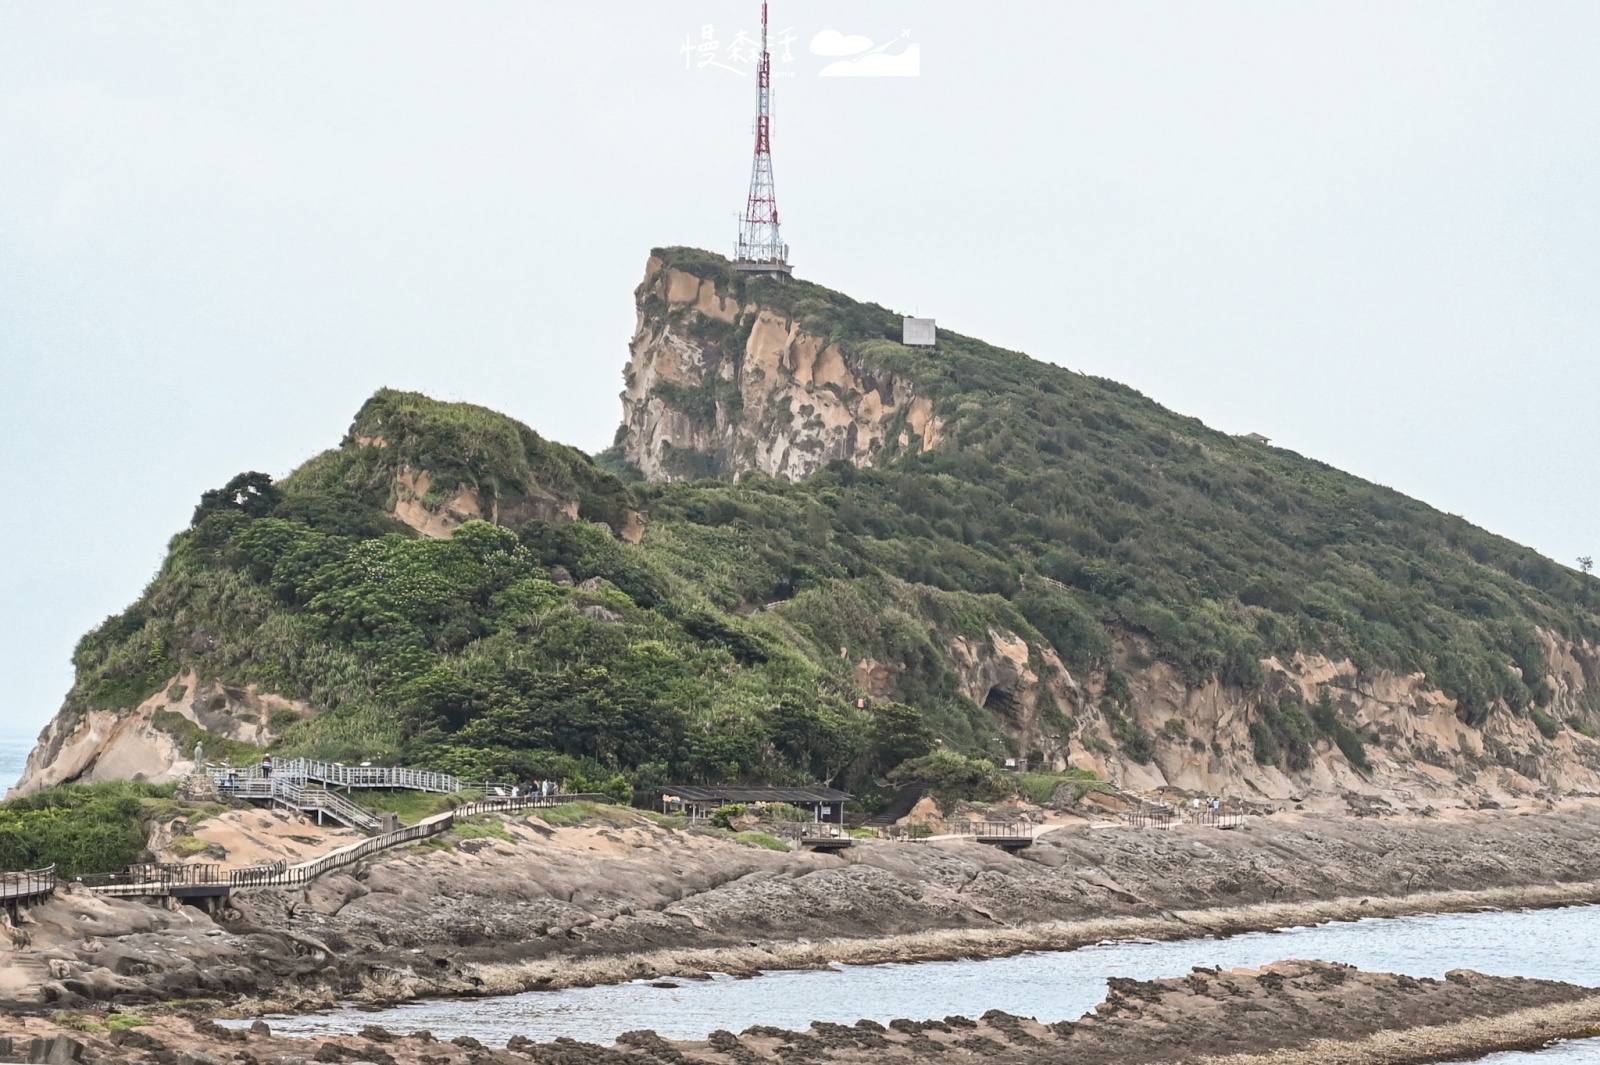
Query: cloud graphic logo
x,y
832,42
879,64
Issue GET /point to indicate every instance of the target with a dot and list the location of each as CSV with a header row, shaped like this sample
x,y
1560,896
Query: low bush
x,y
953,777
93,828
588,813
782,811
1041,787
725,816
487,826
1548,726
187,846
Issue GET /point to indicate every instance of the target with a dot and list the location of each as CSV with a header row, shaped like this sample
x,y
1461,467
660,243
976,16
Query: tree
x,y
1586,563
251,492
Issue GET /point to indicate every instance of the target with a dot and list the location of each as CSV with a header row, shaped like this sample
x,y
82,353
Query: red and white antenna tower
x,y
760,249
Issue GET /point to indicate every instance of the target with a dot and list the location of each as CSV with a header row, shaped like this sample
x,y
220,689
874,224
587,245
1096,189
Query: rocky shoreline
x,y
1287,1013
524,905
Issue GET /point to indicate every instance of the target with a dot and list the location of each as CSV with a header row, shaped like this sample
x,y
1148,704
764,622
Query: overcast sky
x,y
1367,230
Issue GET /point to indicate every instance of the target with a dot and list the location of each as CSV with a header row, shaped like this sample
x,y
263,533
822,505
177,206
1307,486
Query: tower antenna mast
x,y
760,249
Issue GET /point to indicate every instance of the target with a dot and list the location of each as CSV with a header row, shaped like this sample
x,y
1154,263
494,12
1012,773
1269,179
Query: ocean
x,y
13,756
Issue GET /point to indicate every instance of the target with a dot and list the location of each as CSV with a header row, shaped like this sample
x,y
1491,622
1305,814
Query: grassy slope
x,y
1220,549
470,654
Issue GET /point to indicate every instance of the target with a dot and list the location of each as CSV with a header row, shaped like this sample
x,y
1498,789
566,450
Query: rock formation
x,y
716,388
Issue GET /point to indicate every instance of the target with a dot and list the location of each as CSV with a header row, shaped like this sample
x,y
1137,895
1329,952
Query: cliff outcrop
x,y
717,387
155,741
1317,730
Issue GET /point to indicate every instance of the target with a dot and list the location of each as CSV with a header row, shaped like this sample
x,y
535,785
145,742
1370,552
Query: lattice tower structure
x,y
760,247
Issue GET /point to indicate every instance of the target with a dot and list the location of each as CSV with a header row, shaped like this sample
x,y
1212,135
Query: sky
x,y
1365,230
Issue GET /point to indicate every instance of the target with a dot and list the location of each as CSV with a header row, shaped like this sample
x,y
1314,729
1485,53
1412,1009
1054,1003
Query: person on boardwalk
x,y
266,766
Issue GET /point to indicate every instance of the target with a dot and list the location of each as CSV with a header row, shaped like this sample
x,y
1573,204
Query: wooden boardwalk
x,y
27,887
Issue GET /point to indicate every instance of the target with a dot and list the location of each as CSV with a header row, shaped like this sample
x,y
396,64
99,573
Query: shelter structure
x,y
698,802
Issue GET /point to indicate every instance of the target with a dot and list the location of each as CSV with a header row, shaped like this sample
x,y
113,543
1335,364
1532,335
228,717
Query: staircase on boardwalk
x,y
901,805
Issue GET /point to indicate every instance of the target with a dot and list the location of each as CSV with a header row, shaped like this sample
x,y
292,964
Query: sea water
x,y
1556,944
13,756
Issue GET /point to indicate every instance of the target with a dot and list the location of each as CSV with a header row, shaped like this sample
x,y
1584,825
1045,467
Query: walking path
x,y
30,885
213,880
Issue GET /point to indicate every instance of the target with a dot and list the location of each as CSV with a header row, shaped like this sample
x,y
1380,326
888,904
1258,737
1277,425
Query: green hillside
x,y
553,647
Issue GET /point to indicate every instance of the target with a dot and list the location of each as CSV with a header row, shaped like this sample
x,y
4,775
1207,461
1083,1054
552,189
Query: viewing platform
x,y
26,888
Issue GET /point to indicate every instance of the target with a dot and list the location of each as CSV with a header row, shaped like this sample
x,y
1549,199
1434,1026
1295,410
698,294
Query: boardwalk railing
x,y
906,833
1209,818
506,803
303,796
1151,815
801,831
156,878
307,871
994,829
307,797
29,883
336,775
1160,815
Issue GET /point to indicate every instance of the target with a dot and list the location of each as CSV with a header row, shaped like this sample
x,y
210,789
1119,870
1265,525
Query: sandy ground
x,y
248,836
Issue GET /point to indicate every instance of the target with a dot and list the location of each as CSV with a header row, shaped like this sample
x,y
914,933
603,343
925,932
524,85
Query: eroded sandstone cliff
x,y
717,388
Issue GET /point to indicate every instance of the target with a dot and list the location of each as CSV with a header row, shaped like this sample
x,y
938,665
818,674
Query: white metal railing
x,y
339,775
298,793
317,797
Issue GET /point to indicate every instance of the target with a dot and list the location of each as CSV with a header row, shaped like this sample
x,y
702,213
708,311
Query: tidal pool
x,y
1557,944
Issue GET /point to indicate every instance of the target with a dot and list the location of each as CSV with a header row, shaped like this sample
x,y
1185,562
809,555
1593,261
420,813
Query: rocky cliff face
x,y
1205,738
716,388
154,741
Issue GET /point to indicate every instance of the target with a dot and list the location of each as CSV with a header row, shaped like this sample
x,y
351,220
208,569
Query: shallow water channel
x,y
1556,944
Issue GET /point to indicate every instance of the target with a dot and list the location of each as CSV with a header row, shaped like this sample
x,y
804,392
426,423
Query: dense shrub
x,y
94,828
953,778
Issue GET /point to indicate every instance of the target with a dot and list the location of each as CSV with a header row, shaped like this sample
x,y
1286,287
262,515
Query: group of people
x,y
230,781
541,788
